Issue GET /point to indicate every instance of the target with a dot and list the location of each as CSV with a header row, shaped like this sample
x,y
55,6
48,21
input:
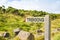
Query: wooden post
x,y
47,27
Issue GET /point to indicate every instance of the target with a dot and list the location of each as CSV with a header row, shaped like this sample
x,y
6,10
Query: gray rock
x,y
58,29
23,35
39,32
6,34
31,37
16,31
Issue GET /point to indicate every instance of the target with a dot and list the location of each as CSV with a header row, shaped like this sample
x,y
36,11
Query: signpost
x,y
47,27
46,20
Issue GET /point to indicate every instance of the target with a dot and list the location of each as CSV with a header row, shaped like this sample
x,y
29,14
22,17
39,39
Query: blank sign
x,y
35,19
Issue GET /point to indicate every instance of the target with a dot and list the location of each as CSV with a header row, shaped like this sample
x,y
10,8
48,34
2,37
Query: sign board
x,y
46,21
35,19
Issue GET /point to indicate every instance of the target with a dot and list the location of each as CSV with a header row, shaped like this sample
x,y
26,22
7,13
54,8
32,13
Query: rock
x,y
6,34
39,31
58,29
31,37
23,35
16,31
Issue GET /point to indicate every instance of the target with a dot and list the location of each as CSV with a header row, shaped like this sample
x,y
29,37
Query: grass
x,y
10,22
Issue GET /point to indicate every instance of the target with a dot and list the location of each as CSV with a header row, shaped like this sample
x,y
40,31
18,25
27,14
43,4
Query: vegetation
x,y
2,38
11,18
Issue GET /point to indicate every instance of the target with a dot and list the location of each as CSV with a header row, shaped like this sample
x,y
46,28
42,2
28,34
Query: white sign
x,y
35,19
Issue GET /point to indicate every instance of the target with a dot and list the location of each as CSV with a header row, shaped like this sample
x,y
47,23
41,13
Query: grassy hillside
x,y
12,18
10,22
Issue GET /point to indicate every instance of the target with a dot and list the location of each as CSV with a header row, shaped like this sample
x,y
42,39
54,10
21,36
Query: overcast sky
x,y
45,5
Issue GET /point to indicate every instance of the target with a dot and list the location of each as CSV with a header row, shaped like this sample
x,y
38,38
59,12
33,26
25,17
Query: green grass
x,y
10,22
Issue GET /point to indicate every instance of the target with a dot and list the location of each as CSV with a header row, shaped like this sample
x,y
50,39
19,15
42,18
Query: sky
x,y
52,6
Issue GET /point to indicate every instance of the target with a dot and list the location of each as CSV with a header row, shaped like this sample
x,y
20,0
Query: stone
x,y
6,34
39,32
58,29
31,37
23,35
16,31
